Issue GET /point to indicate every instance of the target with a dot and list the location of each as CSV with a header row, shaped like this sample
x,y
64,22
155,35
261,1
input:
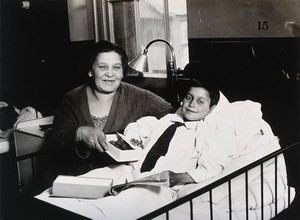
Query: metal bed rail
x,y
227,179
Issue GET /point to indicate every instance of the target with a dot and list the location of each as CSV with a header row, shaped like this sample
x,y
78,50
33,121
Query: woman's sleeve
x,y
65,124
158,107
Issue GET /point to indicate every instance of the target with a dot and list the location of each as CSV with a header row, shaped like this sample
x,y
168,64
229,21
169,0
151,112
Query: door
x,y
35,36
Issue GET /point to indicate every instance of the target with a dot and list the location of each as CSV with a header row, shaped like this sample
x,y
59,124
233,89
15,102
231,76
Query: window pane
x,y
124,27
152,27
178,31
133,30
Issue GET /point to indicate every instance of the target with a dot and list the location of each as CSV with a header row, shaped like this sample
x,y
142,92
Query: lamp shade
x,y
140,63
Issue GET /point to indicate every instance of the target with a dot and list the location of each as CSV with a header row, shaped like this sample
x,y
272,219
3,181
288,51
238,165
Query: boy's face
x,y
196,104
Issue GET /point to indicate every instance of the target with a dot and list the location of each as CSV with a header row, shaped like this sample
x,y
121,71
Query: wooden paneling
x,y
241,18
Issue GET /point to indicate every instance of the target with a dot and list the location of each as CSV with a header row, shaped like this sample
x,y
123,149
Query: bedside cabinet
x,y
29,144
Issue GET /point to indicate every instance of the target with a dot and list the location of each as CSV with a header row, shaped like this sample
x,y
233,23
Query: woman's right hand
x,y
93,137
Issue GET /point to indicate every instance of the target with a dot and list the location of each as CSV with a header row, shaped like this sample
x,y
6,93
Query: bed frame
x,y
209,189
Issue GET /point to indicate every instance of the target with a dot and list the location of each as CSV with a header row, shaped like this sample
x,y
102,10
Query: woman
x,y
102,106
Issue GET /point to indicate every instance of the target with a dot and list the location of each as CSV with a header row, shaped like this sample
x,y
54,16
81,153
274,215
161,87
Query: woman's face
x,y
196,104
107,72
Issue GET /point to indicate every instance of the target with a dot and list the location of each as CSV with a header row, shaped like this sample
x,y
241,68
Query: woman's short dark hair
x,y
104,47
199,74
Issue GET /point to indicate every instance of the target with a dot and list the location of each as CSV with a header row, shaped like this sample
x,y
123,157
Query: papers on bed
x,y
159,179
80,187
132,153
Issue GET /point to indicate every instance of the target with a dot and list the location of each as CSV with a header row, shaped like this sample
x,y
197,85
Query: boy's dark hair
x,y
106,46
197,74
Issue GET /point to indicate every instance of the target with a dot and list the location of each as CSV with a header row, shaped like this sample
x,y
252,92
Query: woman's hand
x,y
93,137
179,178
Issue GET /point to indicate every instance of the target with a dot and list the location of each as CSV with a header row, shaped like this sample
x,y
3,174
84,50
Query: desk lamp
x,y
140,63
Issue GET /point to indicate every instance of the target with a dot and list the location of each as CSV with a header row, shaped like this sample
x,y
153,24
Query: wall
x,y
241,18
260,65
40,63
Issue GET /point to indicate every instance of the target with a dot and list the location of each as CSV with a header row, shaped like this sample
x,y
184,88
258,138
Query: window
x,y
133,24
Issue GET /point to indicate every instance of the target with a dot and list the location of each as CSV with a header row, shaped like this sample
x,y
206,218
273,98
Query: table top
x,y
4,145
35,131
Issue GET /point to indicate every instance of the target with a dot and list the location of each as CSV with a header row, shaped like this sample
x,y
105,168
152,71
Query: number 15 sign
x,y
243,18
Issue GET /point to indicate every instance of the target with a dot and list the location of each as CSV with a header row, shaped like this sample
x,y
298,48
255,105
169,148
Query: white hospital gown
x,y
186,151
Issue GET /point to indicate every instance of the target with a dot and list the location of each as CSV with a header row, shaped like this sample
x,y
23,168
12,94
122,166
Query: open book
x,y
124,153
159,179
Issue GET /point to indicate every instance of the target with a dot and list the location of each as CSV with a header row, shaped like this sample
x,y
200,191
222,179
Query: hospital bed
x,y
250,187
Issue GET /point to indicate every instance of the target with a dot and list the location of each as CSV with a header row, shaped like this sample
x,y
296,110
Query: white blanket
x,y
253,139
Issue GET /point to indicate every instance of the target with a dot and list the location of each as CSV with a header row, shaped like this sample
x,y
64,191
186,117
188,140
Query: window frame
x,y
106,27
